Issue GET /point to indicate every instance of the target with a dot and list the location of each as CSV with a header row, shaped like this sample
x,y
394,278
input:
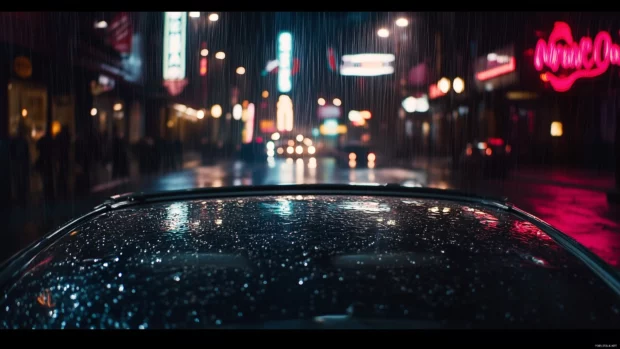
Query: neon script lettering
x,y
584,59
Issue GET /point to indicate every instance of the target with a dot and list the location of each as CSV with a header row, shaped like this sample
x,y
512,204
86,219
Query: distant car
x,y
489,158
308,257
356,156
292,148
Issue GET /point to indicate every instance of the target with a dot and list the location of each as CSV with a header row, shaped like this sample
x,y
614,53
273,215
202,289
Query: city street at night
x,y
492,110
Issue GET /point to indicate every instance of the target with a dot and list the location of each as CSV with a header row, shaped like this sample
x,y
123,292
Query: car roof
x,y
238,260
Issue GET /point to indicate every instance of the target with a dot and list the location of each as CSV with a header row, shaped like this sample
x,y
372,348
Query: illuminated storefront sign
x,y
174,45
331,128
434,92
497,69
284,113
248,132
285,62
329,111
367,64
567,60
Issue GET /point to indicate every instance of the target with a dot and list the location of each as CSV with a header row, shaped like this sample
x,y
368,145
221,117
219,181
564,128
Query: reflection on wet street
x,y
286,171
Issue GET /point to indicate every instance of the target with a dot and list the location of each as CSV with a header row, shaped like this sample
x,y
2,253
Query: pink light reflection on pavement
x,y
582,214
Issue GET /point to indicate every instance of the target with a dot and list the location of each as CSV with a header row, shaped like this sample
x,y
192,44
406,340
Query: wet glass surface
x,y
302,261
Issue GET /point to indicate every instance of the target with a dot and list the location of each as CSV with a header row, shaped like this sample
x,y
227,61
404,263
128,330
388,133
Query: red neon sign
x,y
434,92
497,71
584,59
203,66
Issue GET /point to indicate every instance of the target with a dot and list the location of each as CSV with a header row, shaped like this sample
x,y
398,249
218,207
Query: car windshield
x,y
323,260
140,121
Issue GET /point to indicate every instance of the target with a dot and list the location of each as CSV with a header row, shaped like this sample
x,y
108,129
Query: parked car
x,y
356,156
489,158
307,256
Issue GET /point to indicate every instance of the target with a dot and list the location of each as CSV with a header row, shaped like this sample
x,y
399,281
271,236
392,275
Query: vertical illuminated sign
x,y
284,113
248,133
285,61
175,24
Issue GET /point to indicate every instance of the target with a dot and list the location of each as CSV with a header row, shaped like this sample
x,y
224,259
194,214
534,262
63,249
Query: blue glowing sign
x,y
285,62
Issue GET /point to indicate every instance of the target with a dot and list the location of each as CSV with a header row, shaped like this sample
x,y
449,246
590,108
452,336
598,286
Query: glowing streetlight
x,y
458,85
300,138
321,101
200,114
402,22
93,112
383,33
214,17
237,112
216,111
337,102
444,85
265,94
275,136
241,70
220,55
204,52
194,14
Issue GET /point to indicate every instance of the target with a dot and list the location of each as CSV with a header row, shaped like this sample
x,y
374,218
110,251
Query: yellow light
x,y
214,17
220,55
280,150
352,156
444,85
291,143
299,149
56,127
311,150
289,161
352,163
200,114
458,85
265,94
204,52
337,102
194,14
275,136
25,112
426,128
308,141
321,101
365,114
371,164
384,33
556,129
93,112
299,138
402,22
118,107
241,70
216,111
371,157
290,150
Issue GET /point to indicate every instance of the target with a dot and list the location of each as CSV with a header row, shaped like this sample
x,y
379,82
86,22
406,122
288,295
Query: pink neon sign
x,y
497,71
584,59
